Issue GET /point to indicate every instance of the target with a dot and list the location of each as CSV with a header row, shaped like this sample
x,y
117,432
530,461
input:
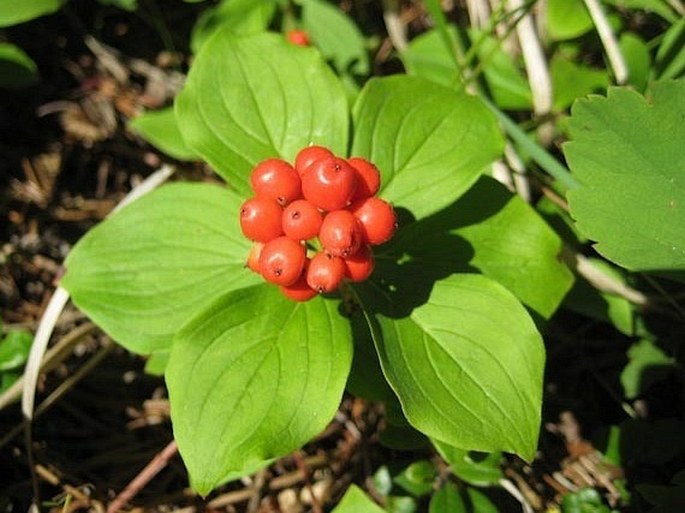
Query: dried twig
x,y
144,477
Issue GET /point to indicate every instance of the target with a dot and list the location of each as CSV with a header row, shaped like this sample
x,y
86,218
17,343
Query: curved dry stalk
x,y
616,60
602,281
59,300
394,25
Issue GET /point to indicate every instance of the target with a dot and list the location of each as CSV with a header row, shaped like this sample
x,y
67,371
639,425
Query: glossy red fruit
x,y
300,290
308,156
301,220
368,178
377,218
260,219
276,179
358,267
253,257
329,183
282,260
325,272
341,233
298,37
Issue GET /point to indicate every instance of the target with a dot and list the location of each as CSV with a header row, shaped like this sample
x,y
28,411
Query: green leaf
x,y
157,362
256,97
252,378
400,504
638,59
160,129
586,500
647,364
474,468
127,5
571,81
240,17
429,142
141,274
567,19
336,36
670,57
449,500
366,378
466,364
490,230
356,501
628,154
417,478
656,6
14,349
668,499
428,57
17,69
507,85
586,300
12,13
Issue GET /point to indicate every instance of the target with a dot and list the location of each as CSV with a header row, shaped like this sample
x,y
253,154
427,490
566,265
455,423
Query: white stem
x,y
616,60
534,59
603,282
40,343
521,182
516,494
393,24
59,300
479,13
151,182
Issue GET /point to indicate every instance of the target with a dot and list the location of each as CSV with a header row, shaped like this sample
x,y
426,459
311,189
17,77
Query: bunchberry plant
x,y
277,292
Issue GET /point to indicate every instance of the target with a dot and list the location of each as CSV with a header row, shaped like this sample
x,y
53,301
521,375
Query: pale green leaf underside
x,y
629,156
467,366
146,270
160,129
254,377
429,142
254,97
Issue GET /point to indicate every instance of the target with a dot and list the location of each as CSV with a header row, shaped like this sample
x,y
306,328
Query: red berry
x,y
253,257
282,260
301,220
300,290
341,233
329,183
377,219
260,219
298,37
276,179
325,272
358,267
368,178
308,156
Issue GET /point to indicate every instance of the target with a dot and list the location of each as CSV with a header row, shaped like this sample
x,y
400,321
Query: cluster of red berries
x,y
321,197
